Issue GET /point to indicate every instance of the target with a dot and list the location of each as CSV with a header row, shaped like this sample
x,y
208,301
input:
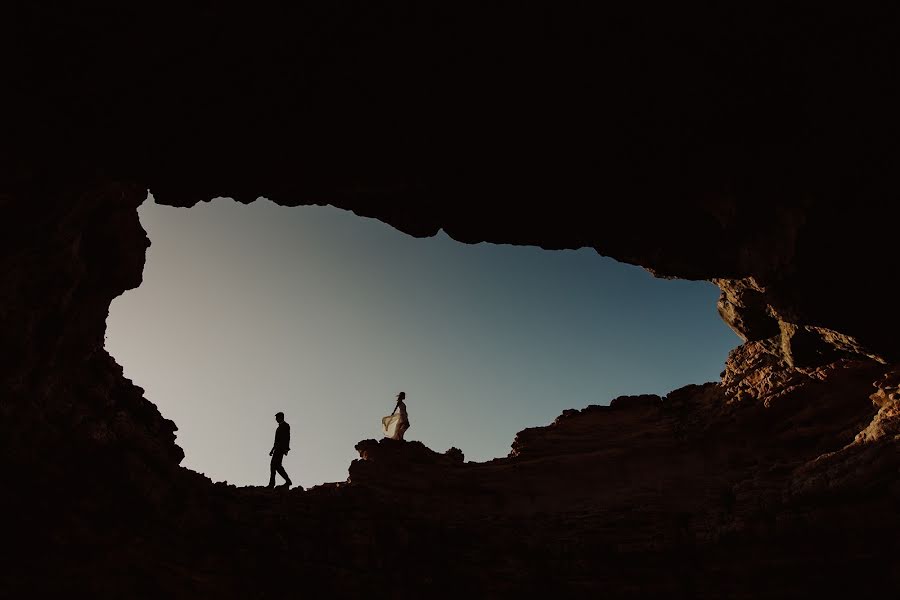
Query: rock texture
x,y
756,150
702,493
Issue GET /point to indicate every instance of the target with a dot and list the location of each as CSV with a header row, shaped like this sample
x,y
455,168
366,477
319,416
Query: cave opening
x,y
246,310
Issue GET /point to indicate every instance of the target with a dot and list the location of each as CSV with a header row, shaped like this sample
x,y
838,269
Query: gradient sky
x,y
248,310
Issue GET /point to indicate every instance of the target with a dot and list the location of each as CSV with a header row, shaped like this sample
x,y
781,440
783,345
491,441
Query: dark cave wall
x,y
757,150
70,253
67,253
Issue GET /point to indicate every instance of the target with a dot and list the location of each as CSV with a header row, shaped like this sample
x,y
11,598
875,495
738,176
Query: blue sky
x,y
246,310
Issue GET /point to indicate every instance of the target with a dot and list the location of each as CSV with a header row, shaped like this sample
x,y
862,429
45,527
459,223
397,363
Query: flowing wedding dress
x,y
396,423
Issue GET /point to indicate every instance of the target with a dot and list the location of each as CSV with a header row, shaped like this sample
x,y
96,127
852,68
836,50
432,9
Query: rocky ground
x,y
765,484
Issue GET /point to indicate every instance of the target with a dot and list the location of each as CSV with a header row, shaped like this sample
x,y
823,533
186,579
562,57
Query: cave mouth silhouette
x,y
247,310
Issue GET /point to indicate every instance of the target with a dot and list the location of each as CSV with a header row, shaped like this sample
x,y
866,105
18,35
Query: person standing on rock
x,y
282,446
396,425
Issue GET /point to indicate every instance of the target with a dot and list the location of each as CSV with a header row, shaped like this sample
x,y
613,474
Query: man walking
x,y
281,447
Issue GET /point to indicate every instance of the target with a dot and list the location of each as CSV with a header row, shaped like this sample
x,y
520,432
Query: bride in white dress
x,y
396,424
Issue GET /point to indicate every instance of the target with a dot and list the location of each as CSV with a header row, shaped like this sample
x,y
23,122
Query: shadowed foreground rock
x,y
766,482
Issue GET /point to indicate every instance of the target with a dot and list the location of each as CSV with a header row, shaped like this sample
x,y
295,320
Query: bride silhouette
x,y
396,424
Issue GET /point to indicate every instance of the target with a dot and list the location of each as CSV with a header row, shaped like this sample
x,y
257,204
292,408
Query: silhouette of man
x,y
281,447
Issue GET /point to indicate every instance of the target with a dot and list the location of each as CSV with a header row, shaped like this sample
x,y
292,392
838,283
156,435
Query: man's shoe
x,y
286,484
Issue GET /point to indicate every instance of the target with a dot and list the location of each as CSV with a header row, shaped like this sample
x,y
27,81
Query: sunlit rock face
x,y
757,152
